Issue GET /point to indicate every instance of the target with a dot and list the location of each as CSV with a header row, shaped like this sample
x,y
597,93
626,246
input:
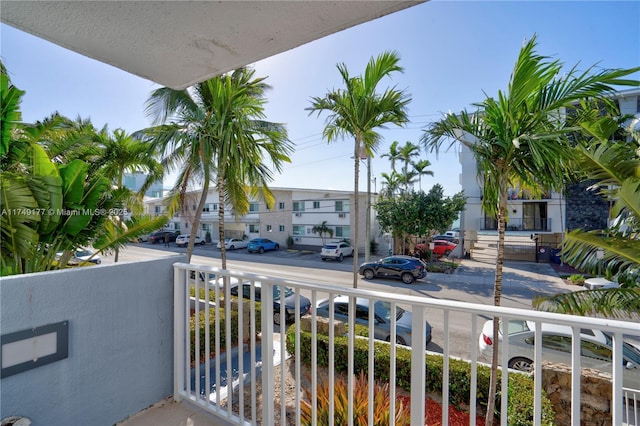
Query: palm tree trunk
x,y
223,250
196,220
355,211
497,294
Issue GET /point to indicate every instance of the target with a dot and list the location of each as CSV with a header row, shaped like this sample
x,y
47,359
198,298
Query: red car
x,y
442,248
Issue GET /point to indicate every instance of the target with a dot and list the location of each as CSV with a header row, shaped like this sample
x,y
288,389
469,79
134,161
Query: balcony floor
x,y
170,413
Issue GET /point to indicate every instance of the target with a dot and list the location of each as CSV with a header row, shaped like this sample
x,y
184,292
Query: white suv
x,y
337,251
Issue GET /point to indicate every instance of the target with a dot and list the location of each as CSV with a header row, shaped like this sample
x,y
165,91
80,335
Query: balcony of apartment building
x,y
517,224
98,345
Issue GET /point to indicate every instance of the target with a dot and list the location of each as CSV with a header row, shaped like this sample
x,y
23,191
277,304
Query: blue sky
x,y
454,53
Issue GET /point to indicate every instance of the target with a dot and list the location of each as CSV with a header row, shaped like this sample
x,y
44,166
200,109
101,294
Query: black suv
x,y
406,268
158,237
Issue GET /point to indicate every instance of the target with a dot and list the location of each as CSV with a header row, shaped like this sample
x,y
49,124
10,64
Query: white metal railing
x,y
203,379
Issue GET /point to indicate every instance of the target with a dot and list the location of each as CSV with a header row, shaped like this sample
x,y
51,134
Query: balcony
x,y
517,224
132,344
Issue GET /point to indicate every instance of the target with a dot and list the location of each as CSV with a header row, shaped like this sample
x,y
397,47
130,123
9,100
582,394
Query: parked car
x,y
233,243
338,251
382,317
595,347
406,268
449,238
143,238
443,248
158,237
183,240
289,300
82,255
261,245
212,280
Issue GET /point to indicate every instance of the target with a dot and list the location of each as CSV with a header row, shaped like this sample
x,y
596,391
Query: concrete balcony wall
x,y
120,342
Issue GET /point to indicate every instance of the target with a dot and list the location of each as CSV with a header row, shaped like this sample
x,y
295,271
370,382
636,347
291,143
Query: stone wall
x,y
595,395
585,209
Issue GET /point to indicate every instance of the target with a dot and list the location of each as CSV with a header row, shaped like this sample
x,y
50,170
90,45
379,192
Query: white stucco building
x,y
295,213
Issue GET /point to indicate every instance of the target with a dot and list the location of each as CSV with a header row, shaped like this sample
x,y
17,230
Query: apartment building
x,y
554,212
294,214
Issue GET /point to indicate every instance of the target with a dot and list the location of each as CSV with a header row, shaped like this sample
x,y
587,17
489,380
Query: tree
x,y
390,183
417,213
521,139
49,207
219,132
420,168
393,154
323,230
407,152
357,111
123,153
615,167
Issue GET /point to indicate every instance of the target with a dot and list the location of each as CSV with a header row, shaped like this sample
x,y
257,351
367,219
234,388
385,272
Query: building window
x,y
281,228
342,231
156,194
281,205
158,209
342,206
298,230
206,227
638,104
206,208
254,229
316,204
254,207
298,206
269,228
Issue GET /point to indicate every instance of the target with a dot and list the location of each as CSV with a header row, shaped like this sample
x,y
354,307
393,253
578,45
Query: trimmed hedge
x,y
520,409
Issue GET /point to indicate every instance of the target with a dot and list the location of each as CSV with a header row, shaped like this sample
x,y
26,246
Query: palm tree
x,y
393,154
323,230
614,165
390,183
122,153
420,167
358,110
218,133
521,139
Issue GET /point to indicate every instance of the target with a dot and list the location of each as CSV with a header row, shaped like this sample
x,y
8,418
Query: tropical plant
x,y
393,155
420,167
358,110
521,139
122,153
218,132
615,168
390,183
360,408
323,230
407,152
48,207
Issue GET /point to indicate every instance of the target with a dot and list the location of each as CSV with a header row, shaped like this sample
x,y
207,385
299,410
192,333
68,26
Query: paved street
x,y
471,282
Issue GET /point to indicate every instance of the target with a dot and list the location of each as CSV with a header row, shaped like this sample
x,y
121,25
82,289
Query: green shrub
x,y
212,329
381,404
520,409
577,279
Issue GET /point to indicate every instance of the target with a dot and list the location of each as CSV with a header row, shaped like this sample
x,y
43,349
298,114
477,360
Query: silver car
x,y
382,315
596,348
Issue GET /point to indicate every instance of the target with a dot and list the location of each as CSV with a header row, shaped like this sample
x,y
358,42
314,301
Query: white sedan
x,y
234,243
183,240
82,255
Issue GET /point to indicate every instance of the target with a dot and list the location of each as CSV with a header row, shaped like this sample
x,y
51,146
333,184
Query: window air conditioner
x,y
298,214
341,215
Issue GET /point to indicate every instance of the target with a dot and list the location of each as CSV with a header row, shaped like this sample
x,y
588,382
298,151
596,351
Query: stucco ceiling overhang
x,y
179,43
